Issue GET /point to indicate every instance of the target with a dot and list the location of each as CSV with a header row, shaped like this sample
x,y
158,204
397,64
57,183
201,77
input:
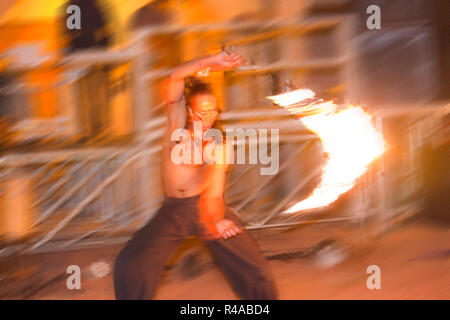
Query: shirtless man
x,y
194,203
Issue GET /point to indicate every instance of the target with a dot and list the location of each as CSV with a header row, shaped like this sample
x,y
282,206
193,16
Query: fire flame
x,y
348,138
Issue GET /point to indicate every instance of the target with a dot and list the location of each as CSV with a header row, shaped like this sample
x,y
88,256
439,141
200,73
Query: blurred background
x,y
82,117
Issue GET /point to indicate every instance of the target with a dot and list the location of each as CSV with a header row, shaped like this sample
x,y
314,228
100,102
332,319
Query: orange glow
x,y
348,138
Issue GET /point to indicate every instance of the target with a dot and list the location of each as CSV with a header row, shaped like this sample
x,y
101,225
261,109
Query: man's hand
x,y
226,60
227,229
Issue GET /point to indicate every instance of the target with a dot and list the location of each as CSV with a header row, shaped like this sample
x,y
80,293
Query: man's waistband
x,y
186,200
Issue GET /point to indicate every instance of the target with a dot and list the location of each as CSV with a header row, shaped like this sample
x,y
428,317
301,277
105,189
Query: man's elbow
x,y
172,90
174,76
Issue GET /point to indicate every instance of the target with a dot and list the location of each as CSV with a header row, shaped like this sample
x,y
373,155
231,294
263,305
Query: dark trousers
x,y
139,265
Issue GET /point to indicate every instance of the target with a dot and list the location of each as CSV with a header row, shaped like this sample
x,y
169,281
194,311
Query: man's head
x,y
201,102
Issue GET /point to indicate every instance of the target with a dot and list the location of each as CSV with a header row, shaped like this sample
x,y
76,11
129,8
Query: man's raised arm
x,y
174,94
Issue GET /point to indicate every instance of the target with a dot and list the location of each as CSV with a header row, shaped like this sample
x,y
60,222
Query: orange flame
x,y
348,137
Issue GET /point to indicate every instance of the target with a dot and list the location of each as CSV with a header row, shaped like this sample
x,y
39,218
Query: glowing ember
x,y
348,137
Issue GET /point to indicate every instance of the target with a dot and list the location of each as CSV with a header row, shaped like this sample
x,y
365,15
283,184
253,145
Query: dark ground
x,y
414,261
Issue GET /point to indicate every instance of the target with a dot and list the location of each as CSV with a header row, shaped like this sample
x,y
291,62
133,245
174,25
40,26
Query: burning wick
x,y
347,136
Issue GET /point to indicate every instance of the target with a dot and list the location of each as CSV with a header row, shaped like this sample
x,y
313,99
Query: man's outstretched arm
x,y
212,206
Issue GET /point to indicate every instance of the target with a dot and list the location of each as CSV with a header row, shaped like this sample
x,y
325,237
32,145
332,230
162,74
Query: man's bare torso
x,y
182,180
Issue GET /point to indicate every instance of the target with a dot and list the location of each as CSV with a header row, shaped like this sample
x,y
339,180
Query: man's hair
x,y
194,86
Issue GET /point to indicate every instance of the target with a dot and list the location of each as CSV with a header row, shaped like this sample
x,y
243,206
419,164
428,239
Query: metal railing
x,y
78,190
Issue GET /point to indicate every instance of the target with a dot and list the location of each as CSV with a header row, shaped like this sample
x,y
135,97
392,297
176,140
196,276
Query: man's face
x,y
204,109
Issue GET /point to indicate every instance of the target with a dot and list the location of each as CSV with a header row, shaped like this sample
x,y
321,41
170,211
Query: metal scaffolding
x,y
102,194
